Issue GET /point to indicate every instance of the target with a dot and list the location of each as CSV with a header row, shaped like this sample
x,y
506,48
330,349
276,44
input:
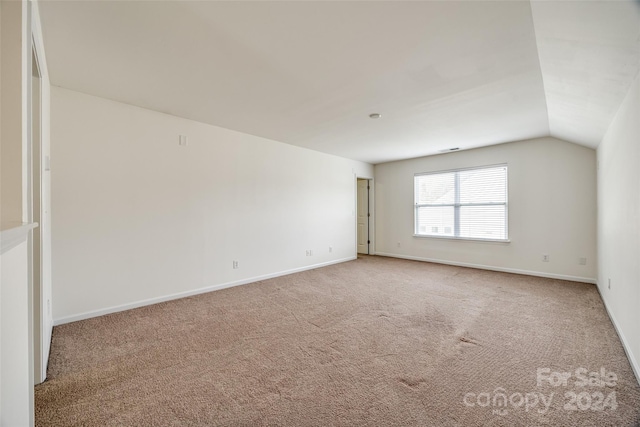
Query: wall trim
x,y
493,268
635,367
156,300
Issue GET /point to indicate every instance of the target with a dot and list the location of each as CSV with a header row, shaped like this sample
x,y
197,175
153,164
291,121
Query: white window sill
x,y
463,239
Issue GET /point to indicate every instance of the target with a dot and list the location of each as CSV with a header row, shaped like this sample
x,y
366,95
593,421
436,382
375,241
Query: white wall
x,y
619,222
16,387
11,170
138,218
16,341
552,210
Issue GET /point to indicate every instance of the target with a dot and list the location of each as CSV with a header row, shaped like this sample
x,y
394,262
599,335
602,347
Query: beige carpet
x,y
372,342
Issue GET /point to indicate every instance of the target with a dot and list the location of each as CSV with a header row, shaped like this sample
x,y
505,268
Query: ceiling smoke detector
x,y
375,115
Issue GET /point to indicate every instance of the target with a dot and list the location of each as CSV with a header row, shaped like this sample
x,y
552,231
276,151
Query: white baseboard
x,y
492,268
150,301
625,344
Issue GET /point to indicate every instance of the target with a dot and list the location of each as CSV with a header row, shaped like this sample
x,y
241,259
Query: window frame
x,y
456,205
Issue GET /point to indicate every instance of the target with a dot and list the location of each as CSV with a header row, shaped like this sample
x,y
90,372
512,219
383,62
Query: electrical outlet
x,y
236,265
582,261
545,258
310,252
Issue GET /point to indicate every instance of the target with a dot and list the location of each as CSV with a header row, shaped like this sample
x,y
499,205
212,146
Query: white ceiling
x,y
589,55
442,74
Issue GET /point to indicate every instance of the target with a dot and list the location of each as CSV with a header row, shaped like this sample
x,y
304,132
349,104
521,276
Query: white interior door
x,y
363,216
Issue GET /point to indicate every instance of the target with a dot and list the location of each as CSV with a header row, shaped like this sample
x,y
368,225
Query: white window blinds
x,y
467,203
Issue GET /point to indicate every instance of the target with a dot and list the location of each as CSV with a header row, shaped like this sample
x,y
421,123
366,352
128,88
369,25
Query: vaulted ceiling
x,y
443,74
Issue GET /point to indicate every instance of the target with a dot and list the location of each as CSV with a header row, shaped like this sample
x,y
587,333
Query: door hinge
x,y
368,188
368,242
368,215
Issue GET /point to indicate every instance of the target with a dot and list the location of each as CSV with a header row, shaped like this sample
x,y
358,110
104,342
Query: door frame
x,y
38,186
372,220
35,212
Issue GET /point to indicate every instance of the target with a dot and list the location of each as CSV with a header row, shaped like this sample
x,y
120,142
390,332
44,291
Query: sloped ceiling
x,y
309,73
589,55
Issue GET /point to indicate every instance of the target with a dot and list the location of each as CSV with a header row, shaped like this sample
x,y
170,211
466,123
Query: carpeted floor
x,y
372,342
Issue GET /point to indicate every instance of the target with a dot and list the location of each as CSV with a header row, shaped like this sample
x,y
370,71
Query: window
x,y
462,204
